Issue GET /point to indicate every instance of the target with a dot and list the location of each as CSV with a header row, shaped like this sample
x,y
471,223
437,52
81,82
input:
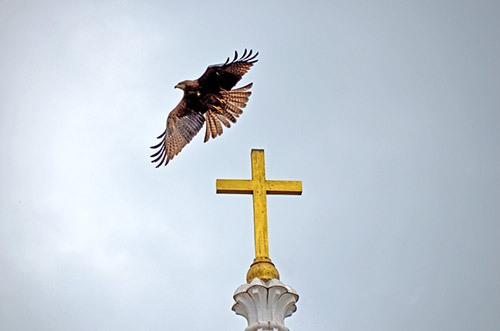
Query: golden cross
x,y
259,187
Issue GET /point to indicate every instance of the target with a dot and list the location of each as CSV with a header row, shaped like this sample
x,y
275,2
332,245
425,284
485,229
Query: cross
x,y
259,187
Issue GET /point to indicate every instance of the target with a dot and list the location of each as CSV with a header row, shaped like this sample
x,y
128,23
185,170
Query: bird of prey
x,y
210,99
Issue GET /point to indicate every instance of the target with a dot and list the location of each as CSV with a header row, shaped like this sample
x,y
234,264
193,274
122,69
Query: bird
x,y
211,100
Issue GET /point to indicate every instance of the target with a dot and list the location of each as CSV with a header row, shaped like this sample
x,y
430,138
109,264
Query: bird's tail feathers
x,y
232,102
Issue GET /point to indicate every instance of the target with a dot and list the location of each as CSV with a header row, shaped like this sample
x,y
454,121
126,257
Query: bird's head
x,y
188,85
181,85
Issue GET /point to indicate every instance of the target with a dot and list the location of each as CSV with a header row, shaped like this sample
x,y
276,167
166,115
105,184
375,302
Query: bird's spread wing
x,y
232,102
225,76
182,125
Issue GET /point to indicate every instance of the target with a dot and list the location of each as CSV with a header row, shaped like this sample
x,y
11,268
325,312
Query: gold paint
x,y
262,268
259,187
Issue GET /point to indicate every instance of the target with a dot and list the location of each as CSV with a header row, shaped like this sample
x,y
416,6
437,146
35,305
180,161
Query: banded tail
x,y
232,102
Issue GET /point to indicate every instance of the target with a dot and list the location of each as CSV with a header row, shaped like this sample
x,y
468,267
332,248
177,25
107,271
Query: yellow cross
x,y
259,187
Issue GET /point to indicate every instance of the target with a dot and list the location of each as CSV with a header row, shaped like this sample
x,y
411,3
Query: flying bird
x,y
210,99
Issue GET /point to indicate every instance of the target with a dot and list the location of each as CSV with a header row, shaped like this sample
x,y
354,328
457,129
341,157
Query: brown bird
x,y
208,99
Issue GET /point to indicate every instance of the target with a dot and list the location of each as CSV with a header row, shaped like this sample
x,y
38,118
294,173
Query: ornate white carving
x,y
265,304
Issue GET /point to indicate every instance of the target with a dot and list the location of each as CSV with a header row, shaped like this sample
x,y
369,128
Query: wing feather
x,y
213,126
182,125
228,74
215,119
224,120
207,131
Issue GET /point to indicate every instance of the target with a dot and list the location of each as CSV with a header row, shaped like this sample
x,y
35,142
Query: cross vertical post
x,y
260,187
260,205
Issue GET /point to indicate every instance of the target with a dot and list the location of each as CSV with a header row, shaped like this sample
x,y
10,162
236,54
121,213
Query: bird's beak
x,y
177,86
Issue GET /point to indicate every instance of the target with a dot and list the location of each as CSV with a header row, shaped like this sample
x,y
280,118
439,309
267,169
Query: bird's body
x,y
209,99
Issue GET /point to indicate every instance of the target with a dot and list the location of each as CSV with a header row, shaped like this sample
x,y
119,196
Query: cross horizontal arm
x,y
234,186
286,187
244,186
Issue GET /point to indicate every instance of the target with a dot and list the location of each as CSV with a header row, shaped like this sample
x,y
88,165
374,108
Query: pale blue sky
x,y
388,111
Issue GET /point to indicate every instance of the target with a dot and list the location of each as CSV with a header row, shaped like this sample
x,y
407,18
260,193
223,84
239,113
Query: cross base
x,y
265,305
262,268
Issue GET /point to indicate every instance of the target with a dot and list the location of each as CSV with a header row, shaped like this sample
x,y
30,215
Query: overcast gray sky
x,y
388,111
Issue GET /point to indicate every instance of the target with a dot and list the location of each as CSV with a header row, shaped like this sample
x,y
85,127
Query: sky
x,y
387,111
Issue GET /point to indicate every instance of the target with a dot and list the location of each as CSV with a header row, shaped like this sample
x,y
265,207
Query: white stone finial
x,y
265,304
